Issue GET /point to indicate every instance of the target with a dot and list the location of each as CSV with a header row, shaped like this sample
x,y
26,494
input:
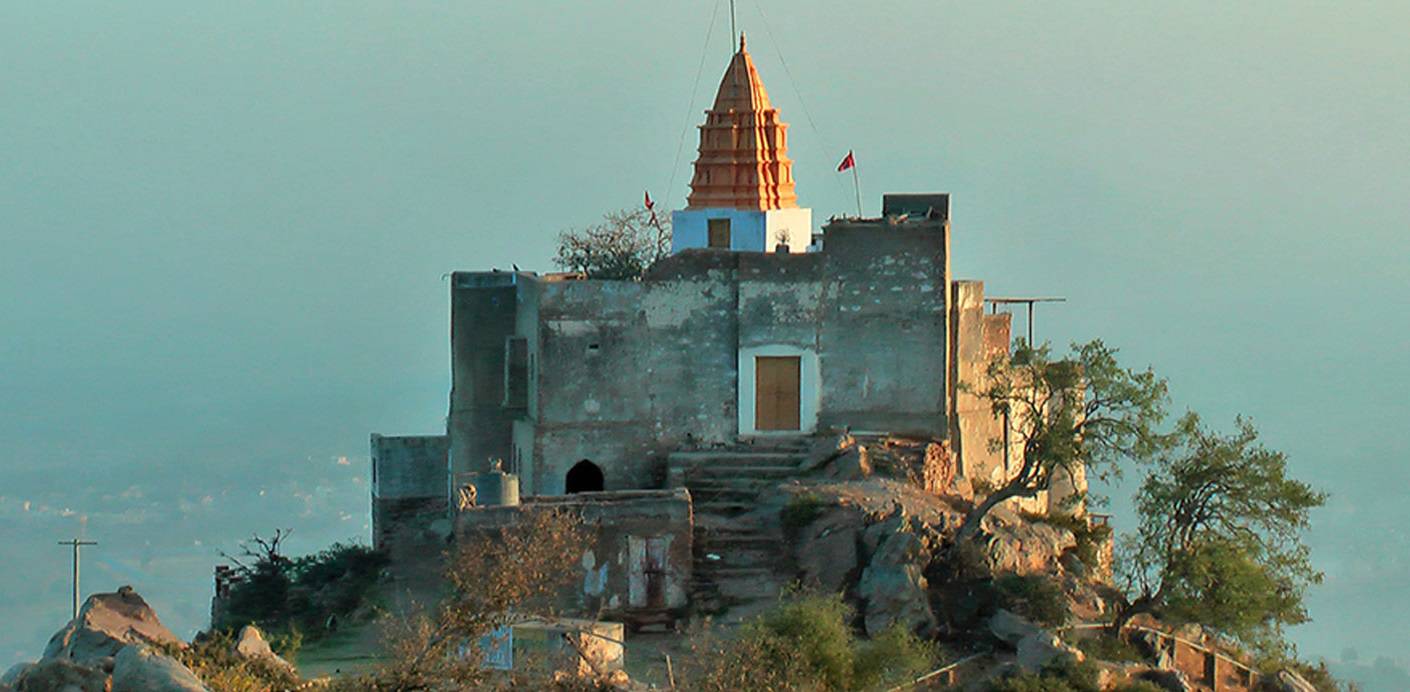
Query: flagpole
x,y
857,187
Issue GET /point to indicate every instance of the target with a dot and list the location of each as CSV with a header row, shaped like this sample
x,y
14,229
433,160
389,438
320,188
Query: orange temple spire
x,y
743,161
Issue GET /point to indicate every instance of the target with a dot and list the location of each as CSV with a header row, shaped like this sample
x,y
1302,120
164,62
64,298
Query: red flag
x,y
848,162
649,204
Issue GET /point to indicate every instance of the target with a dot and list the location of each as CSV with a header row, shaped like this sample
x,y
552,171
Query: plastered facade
x,y
622,372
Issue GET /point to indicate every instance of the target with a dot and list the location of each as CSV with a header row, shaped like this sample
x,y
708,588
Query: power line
x,y
821,141
690,105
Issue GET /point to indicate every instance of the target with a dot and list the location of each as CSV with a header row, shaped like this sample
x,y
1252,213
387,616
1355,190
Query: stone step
x,y
726,508
720,456
735,539
761,555
725,495
703,482
739,472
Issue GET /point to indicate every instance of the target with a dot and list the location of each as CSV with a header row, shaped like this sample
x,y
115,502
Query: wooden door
x,y
776,398
719,233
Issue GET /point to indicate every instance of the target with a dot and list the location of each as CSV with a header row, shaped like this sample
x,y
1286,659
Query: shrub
x,y
1140,686
815,630
1109,648
805,643
801,511
894,656
212,658
287,596
1064,674
1035,597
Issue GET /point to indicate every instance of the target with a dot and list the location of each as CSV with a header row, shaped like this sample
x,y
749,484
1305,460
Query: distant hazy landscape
x,y
223,233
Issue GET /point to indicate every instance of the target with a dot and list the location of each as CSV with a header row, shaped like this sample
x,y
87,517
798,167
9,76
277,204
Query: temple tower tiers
x,y
742,196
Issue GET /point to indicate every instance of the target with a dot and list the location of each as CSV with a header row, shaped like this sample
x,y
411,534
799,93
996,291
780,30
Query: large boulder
x,y
107,623
893,588
1041,648
59,675
827,550
1010,628
139,668
1022,546
1036,647
251,645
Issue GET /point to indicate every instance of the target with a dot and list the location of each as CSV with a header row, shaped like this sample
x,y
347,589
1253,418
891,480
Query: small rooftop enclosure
x,y
742,195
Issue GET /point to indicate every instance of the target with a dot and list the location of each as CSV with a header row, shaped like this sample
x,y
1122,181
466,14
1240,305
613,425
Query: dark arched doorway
x,y
584,477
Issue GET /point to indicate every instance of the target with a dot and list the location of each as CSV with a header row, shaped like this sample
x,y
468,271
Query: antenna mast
x,y
733,32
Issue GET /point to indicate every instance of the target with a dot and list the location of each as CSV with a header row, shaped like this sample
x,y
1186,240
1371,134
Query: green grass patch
x,y
801,511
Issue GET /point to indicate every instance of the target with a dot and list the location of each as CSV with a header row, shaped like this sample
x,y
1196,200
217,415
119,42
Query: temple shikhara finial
x,y
742,194
743,161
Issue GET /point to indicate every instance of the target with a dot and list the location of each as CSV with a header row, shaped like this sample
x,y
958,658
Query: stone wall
x,y
409,491
978,338
636,566
621,372
884,340
483,313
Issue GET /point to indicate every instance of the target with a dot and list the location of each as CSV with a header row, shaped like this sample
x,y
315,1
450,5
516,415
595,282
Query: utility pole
x,y
76,543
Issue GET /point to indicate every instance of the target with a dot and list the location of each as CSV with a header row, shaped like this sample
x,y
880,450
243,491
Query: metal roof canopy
x,y
1029,301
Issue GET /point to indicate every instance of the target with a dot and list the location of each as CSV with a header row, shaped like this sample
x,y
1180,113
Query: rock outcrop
x,y
893,588
107,623
116,645
138,668
1036,647
58,675
250,644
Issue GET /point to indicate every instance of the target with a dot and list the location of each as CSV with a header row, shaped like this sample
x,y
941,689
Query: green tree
x,y
261,595
1065,413
622,246
1220,536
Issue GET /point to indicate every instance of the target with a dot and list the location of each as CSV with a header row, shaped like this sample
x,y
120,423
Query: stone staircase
x,y
740,560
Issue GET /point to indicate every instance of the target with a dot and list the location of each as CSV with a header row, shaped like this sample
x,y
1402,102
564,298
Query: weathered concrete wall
x,y
621,372
884,339
409,466
484,309
977,338
409,492
637,563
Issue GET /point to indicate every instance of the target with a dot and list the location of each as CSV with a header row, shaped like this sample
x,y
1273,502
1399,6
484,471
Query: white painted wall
x,y
794,225
809,388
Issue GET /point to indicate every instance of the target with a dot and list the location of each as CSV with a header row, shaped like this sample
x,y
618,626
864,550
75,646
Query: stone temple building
x,y
757,334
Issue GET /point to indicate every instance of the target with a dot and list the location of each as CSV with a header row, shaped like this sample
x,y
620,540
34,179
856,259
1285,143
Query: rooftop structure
x,y
743,160
742,195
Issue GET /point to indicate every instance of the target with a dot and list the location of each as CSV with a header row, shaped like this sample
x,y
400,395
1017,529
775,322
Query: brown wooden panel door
x,y
776,398
719,233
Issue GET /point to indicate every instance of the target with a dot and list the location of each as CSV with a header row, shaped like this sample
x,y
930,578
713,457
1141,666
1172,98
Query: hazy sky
x,y
223,230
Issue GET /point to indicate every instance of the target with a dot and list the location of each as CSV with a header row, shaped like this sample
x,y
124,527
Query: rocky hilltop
x,y
118,644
